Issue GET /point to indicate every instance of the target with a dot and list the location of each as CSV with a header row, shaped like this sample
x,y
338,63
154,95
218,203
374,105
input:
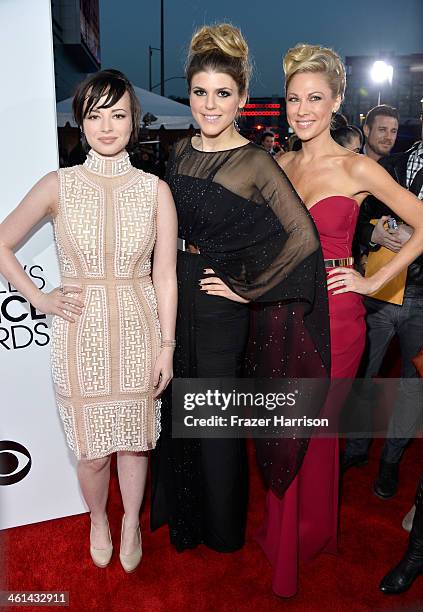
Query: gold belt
x,y
339,263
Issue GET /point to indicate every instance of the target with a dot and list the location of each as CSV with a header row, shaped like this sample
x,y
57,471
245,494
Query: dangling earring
x,y
236,124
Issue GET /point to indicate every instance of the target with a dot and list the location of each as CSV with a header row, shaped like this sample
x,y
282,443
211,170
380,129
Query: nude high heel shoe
x,y
131,561
407,522
101,556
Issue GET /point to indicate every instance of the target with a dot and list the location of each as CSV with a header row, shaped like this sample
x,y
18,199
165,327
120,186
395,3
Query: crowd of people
x,y
265,286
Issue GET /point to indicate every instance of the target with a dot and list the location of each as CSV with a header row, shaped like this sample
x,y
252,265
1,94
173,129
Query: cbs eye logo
x,y
15,462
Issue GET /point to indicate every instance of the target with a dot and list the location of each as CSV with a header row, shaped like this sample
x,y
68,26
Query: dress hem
x,y
134,449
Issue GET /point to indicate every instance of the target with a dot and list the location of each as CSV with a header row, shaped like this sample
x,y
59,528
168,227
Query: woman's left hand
x,y
213,285
163,371
344,280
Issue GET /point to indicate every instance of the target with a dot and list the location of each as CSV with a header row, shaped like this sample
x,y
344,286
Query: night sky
x,y
354,27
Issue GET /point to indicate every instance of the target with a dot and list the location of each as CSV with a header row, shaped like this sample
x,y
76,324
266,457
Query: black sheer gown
x,y
245,218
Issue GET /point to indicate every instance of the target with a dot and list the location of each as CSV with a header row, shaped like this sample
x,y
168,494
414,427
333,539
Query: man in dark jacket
x,y
384,320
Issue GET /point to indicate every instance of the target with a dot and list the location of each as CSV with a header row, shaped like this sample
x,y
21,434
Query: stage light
x,y
381,72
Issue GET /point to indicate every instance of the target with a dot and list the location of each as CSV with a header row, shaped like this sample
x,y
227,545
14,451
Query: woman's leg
x,y
94,476
132,472
221,336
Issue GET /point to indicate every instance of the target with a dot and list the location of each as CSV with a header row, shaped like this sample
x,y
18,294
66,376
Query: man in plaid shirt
x,y
415,163
384,320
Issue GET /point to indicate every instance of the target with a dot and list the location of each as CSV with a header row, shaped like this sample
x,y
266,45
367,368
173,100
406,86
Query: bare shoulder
x,y
50,182
43,197
278,156
163,189
361,166
285,159
47,190
165,198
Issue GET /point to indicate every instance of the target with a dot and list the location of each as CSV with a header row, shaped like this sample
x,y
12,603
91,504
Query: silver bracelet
x,y
168,344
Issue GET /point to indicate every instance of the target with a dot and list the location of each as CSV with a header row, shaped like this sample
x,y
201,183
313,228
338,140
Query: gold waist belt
x,y
339,263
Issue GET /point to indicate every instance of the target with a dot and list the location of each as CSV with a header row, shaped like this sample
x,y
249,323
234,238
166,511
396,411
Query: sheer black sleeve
x,y
299,238
242,213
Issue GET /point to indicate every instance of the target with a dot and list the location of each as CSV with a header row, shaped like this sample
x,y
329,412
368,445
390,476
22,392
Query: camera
x,y
392,224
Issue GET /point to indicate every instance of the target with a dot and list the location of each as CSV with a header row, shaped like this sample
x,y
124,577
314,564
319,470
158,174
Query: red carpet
x,y
54,556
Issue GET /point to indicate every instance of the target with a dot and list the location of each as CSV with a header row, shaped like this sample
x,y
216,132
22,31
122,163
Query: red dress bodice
x,y
336,218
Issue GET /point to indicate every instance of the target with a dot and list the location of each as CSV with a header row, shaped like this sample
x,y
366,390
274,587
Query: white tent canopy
x,y
172,115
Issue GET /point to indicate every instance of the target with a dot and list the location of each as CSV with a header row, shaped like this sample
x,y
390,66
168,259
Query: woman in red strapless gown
x,y
303,522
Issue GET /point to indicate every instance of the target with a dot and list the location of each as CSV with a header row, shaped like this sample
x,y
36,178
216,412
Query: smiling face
x,y
381,136
215,100
310,103
108,130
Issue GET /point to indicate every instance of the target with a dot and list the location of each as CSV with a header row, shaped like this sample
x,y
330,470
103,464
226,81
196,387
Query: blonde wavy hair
x,y
314,58
220,48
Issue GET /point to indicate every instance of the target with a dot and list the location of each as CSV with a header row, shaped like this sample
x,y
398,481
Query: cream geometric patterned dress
x,y
102,364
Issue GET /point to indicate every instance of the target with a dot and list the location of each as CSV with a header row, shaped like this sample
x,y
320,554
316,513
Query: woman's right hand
x,y
59,302
213,285
344,280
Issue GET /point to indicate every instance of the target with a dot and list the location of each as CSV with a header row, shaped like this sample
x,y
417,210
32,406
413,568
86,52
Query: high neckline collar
x,y
108,166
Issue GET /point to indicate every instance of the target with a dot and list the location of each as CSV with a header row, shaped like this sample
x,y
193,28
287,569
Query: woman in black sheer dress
x,y
248,237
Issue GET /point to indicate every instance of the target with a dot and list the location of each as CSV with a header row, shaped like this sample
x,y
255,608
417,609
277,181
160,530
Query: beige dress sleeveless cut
x,y
102,365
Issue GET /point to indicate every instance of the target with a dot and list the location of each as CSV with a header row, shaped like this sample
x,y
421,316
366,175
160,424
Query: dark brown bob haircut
x,y
109,83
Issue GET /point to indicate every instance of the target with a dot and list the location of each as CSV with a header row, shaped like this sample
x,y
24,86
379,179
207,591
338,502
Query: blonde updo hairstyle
x,y
220,48
314,58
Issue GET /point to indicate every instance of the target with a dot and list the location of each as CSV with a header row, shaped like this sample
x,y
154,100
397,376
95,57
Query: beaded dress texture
x,y
102,365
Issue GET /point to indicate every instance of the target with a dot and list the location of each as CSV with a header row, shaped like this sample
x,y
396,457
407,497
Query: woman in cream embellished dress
x,y
113,328
102,366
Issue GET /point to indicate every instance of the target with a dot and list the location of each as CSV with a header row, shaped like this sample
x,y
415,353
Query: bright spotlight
x,y
382,72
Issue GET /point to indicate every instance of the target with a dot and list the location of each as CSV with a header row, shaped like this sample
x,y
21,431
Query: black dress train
x,y
248,223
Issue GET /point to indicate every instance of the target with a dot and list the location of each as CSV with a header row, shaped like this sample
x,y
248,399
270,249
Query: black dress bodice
x,y
240,209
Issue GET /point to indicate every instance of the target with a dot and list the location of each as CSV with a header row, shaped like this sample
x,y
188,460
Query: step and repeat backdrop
x,y
37,471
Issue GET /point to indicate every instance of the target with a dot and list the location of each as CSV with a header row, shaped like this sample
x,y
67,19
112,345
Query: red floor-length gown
x,y
303,523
